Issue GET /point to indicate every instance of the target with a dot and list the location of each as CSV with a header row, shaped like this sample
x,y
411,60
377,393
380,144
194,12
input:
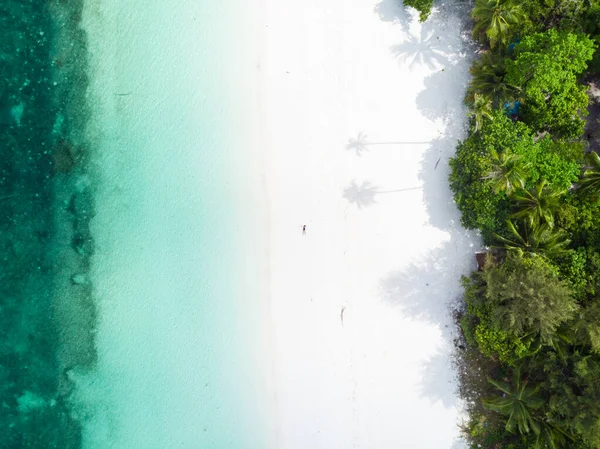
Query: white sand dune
x,y
364,108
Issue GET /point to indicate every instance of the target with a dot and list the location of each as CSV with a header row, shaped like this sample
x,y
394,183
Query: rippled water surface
x,y
123,320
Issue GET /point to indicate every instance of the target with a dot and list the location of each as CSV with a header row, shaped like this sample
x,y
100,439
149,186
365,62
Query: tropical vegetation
x,y
422,6
527,178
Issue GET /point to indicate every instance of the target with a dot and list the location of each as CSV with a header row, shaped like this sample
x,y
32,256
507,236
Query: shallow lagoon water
x,y
178,335
131,314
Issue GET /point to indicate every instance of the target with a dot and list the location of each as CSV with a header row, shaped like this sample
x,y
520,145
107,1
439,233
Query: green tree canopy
x,y
477,172
528,296
575,396
589,324
555,162
579,215
546,66
571,15
500,158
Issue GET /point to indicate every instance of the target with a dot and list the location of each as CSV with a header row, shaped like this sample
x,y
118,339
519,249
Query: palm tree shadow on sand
x,y
363,194
361,145
437,45
426,49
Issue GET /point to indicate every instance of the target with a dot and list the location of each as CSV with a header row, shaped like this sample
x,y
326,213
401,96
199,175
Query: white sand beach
x,y
364,108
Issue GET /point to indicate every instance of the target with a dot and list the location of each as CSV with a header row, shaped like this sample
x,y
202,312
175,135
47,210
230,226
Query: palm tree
x,y
561,342
590,181
551,436
481,111
488,78
507,173
496,19
534,237
538,204
518,403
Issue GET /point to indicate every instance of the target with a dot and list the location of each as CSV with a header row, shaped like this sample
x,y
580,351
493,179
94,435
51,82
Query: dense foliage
x,y
504,161
545,66
528,180
497,20
423,6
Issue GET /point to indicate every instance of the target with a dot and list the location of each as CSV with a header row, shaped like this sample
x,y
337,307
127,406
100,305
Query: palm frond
x,y
534,238
589,183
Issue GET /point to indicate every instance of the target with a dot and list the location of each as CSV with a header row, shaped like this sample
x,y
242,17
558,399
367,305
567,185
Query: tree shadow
x,y
439,379
459,444
437,101
433,176
361,145
422,289
394,11
363,194
430,291
425,49
437,45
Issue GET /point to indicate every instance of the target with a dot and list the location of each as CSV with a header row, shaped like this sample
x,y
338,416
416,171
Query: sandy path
x,y
383,243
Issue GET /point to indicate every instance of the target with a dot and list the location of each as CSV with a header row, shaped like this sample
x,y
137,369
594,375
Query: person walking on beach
x,y
303,229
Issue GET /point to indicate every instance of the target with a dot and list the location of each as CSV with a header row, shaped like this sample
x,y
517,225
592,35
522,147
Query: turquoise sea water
x,y
130,319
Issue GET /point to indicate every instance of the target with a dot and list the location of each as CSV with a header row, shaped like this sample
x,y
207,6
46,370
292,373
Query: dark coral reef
x,y
45,209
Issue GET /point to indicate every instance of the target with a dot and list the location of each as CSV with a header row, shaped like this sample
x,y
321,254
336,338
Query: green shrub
x,y
484,208
572,266
556,162
481,207
467,326
545,67
527,296
496,342
480,331
423,6
581,268
580,217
